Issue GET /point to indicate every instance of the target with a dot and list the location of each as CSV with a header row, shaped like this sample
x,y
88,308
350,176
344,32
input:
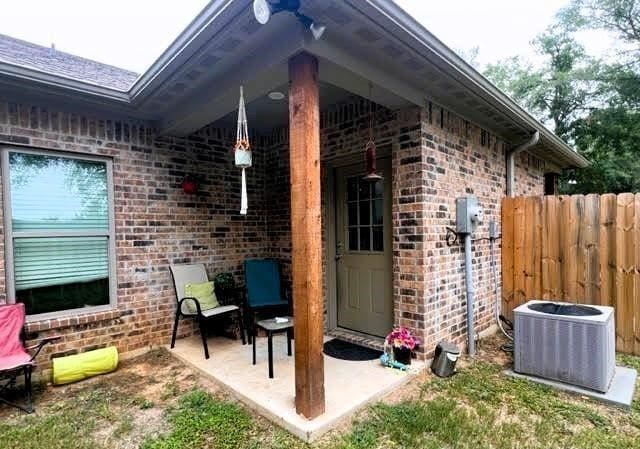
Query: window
x,y
59,232
365,212
551,183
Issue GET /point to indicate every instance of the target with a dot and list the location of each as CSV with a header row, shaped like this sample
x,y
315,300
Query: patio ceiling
x,y
205,88
265,114
195,81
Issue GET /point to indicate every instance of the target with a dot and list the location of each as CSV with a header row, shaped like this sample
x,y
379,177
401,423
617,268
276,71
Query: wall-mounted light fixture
x,y
264,9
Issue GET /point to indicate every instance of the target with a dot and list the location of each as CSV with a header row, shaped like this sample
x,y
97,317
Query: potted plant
x,y
225,285
227,294
403,344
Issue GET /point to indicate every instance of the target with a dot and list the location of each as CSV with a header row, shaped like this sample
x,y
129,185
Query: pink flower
x,y
402,338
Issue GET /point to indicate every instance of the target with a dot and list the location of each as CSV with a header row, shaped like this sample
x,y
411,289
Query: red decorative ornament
x,y
371,162
370,149
189,185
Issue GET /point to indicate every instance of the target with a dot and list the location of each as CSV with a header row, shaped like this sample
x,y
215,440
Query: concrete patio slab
x,y
620,392
349,386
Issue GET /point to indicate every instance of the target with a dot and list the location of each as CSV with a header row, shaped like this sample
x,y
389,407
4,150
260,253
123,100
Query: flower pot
x,y
402,355
243,158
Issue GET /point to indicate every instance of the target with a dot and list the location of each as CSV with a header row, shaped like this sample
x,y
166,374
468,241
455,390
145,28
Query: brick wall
x,y
436,157
156,222
458,158
410,225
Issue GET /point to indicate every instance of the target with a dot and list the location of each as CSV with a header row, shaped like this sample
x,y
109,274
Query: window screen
x,y
59,232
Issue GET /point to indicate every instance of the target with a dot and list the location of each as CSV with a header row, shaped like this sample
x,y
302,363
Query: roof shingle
x,y
49,60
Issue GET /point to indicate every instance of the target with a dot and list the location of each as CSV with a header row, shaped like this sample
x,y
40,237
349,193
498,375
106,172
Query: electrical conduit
x,y
471,295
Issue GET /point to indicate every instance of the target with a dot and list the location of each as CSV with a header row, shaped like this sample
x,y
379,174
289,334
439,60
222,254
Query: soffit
x,y
354,32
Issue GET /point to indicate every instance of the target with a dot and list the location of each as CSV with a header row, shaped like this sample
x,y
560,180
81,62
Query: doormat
x,y
345,350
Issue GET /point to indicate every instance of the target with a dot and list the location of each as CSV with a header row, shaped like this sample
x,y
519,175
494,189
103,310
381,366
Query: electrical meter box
x,y
468,214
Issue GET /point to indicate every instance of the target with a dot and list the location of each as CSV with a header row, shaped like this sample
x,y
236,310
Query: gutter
x,y
409,31
475,81
511,165
62,82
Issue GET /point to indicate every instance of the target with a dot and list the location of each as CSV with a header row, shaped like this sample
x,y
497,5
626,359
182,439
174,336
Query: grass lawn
x,y
154,402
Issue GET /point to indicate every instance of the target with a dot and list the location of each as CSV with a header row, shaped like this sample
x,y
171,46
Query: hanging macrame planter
x,y
242,151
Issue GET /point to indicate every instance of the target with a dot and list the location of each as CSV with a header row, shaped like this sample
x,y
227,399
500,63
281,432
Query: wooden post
x,y
306,234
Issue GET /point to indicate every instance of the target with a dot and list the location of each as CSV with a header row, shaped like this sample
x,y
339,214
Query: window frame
x,y
371,226
9,235
551,181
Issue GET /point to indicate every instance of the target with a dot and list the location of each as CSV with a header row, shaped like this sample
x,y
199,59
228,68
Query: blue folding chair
x,y
264,292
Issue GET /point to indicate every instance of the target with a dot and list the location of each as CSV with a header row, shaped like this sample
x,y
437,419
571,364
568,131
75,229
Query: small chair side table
x,y
271,327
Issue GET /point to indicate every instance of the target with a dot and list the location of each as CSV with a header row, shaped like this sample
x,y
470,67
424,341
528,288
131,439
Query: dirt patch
x,y
128,405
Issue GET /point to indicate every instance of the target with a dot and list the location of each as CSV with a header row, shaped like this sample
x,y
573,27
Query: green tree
x,y
558,91
589,103
609,135
610,139
621,18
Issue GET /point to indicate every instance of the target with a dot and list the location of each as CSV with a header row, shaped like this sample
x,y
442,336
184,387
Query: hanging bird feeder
x,y
370,148
370,157
242,151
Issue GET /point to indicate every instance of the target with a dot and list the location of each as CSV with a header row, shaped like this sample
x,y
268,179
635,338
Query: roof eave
x,y
508,106
564,151
220,10
56,81
187,38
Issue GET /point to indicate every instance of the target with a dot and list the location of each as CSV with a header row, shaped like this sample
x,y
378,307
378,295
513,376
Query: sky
x,y
499,28
129,34
132,33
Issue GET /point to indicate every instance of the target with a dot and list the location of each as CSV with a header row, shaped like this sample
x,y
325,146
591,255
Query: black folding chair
x,y
196,273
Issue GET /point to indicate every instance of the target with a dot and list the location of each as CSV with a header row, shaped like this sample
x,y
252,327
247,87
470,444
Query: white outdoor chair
x,y
193,274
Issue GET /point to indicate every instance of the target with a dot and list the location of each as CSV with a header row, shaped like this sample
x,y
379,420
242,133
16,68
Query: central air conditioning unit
x,y
566,342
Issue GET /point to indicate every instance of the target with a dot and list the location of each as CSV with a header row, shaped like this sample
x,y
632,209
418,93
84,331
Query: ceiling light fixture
x,y
264,9
276,95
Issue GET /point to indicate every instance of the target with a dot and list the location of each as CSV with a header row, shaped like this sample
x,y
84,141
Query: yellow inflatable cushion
x,y
77,367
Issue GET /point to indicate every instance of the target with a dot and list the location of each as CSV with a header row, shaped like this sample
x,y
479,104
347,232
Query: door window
x,y
365,212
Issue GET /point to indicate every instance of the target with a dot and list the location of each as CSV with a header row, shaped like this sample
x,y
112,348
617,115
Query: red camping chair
x,y
15,358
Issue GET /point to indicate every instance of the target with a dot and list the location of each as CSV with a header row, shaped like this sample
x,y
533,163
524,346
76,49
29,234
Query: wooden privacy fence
x,y
580,248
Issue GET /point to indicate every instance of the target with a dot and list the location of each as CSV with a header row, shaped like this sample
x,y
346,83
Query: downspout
x,y
511,161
